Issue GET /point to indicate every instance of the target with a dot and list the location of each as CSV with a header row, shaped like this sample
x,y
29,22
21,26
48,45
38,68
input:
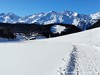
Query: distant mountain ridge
x,y
67,17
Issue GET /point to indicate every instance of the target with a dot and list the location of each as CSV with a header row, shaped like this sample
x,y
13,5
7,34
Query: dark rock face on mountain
x,y
44,30
95,25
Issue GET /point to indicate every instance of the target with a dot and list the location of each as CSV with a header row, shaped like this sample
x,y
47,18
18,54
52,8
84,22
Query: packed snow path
x,y
72,62
83,60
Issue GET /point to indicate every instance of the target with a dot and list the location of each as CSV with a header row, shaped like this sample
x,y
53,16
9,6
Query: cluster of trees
x,y
8,30
6,33
68,30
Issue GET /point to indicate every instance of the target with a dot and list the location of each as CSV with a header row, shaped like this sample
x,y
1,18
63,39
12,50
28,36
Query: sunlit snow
x,y
74,54
57,29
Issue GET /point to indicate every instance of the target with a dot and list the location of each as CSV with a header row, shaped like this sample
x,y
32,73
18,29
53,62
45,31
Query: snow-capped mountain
x,y
67,17
9,18
95,16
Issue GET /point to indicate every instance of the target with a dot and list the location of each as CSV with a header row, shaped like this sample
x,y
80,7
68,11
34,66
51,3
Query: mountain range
x,y
82,21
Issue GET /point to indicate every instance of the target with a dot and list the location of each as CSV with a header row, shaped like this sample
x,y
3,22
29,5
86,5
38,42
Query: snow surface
x,y
57,29
74,54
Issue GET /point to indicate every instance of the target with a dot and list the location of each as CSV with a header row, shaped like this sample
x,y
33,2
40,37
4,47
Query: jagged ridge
x,y
67,17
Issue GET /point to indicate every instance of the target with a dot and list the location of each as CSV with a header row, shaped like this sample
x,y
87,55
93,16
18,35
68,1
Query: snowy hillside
x,y
74,54
57,29
67,17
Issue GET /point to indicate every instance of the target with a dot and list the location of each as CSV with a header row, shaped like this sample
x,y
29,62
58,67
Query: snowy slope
x,y
67,17
74,54
57,29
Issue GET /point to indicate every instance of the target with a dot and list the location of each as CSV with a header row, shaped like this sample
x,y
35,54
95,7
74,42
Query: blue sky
x,y
28,7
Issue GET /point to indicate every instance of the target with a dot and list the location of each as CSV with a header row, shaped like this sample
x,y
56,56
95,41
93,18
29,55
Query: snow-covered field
x,y
74,54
